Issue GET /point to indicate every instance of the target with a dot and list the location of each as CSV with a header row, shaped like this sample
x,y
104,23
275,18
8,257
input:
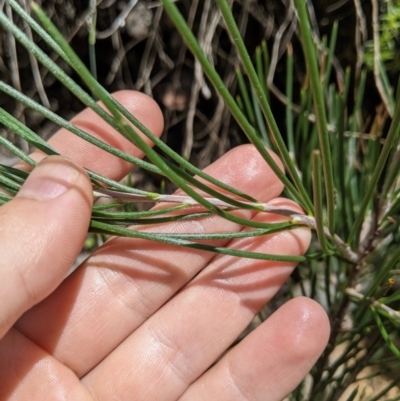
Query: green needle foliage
x,y
342,170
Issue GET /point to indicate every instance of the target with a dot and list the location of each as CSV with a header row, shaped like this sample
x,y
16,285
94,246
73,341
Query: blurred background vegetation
x,y
144,52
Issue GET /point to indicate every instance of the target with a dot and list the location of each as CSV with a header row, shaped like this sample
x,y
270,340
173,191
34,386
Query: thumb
x,y
42,230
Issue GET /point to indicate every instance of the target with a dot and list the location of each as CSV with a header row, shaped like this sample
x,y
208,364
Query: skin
x,y
141,320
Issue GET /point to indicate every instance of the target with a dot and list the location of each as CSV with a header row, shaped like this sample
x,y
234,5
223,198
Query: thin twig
x,y
352,293
119,58
149,56
360,36
257,11
219,124
198,83
309,221
118,22
280,45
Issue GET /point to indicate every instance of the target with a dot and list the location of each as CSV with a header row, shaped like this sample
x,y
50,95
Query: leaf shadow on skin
x,y
120,278
255,281
231,292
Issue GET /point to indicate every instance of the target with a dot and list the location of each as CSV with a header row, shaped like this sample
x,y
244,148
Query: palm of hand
x,y
139,320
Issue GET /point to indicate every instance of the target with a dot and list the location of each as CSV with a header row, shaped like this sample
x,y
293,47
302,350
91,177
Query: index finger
x,y
144,108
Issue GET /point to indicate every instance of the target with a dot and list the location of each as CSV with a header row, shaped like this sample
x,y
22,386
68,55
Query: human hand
x,y
142,320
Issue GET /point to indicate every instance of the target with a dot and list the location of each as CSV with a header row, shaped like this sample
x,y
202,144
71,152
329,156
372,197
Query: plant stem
x,y
354,294
297,218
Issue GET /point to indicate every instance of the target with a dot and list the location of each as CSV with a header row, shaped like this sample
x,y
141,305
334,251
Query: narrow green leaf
x,y
35,26
9,184
9,173
394,132
208,236
266,64
24,132
191,42
391,298
319,107
245,96
331,52
289,103
383,273
92,39
240,104
170,239
260,119
318,207
5,198
75,130
20,175
98,211
385,335
261,71
16,151
237,41
386,85
98,179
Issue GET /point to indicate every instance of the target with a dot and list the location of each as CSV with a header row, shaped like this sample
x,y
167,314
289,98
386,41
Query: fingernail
x,y
51,178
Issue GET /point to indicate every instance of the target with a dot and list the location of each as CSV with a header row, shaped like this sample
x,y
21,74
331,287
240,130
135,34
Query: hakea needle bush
x,y
347,185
